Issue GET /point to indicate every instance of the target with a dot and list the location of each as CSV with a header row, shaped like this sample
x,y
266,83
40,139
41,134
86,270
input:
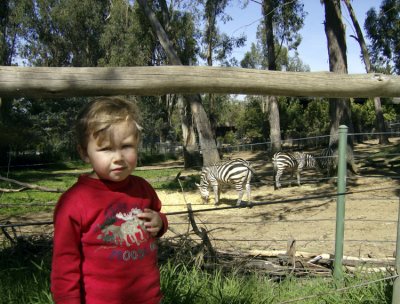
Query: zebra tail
x,y
252,170
275,169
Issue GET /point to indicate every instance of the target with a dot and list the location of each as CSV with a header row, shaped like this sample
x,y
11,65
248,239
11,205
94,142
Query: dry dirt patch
x,y
371,213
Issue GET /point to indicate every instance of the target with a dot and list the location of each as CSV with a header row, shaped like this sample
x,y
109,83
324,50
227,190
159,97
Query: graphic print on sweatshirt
x,y
122,227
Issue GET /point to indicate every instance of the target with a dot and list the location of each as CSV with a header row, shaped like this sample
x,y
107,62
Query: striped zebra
x,y
293,161
237,172
297,161
326,161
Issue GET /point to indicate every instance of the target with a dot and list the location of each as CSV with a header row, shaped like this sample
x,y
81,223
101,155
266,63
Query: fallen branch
x,y
11,190
30,186
202,233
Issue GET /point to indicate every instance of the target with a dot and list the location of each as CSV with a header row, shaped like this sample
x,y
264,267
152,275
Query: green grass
x,y
183,285
63,176
25,272
25,266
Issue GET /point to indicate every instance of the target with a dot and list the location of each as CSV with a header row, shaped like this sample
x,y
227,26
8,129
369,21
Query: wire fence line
x,y
176,217
258,204
245,205
340,290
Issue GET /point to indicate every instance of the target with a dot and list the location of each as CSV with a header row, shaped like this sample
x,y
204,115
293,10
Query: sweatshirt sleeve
x,y
156,206
165,224
67,253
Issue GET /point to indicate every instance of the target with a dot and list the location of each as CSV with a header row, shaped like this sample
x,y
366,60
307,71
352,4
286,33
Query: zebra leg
x,y
277,177
291,176
298,177
248,190
216,194
299,170
240,196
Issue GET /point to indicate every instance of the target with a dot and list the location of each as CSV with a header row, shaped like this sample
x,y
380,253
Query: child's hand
x,y
152,221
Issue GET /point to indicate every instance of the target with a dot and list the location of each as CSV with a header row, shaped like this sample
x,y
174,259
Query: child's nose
x,y
118,155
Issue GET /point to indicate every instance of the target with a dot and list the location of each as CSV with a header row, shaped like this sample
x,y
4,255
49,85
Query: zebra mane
x,y
229,161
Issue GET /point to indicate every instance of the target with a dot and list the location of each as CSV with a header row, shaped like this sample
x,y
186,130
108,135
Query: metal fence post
x,y
396,283
340,206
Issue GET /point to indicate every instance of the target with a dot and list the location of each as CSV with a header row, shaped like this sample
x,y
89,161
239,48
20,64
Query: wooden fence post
x,y
340,206
396,283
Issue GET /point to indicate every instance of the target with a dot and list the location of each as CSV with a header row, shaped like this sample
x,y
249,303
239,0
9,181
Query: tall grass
x,y
25,265
25,278
25,273
182,285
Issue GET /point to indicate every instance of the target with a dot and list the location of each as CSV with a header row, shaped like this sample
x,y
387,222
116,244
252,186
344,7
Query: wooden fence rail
x,y
54,82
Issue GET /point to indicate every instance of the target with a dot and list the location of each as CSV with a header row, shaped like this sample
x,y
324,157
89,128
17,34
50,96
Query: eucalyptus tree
x,y
278,34
383,31
56,34
14,131
380,121
206,138
8,39
216,47
9,30
64,33
339,108
125,39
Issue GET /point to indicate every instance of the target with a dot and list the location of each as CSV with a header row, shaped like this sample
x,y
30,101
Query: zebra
x,y
237,171
325,161
295,161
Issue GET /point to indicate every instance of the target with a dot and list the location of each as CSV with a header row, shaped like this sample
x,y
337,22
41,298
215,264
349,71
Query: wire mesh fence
x,y
300,220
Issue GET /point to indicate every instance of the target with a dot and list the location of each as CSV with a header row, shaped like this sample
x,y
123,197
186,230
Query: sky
x,y
313,48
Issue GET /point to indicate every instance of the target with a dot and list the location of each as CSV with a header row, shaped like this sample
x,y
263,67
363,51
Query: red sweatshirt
x,y
102,253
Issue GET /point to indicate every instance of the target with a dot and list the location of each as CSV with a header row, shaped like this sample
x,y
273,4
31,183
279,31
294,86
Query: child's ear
x,y
83,154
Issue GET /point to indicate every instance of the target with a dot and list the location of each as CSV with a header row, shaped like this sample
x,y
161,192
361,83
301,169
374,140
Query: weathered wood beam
x,y
148,81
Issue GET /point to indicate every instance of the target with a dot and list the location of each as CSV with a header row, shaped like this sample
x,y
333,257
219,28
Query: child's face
x,y
115,157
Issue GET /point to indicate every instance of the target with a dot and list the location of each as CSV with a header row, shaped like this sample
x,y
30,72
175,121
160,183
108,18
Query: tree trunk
x,y
380,120
190,149
211,12
271,103
207,141
339,109
273,110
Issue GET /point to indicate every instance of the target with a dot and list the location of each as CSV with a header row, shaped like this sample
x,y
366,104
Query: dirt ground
x,y
371,211
306,214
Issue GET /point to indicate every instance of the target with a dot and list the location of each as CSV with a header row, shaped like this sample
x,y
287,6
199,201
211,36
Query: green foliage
x,y
216,45
63,33
117,33
40,131
288,19
124,40
251,122
183,34
295,64
363,114
383,30
317,117
252,59
292,118
229,138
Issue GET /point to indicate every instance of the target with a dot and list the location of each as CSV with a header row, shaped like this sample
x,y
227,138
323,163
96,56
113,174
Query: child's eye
x,y
105,149
129,146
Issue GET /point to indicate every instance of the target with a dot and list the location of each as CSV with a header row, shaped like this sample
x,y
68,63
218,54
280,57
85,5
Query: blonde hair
x,y
99,115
